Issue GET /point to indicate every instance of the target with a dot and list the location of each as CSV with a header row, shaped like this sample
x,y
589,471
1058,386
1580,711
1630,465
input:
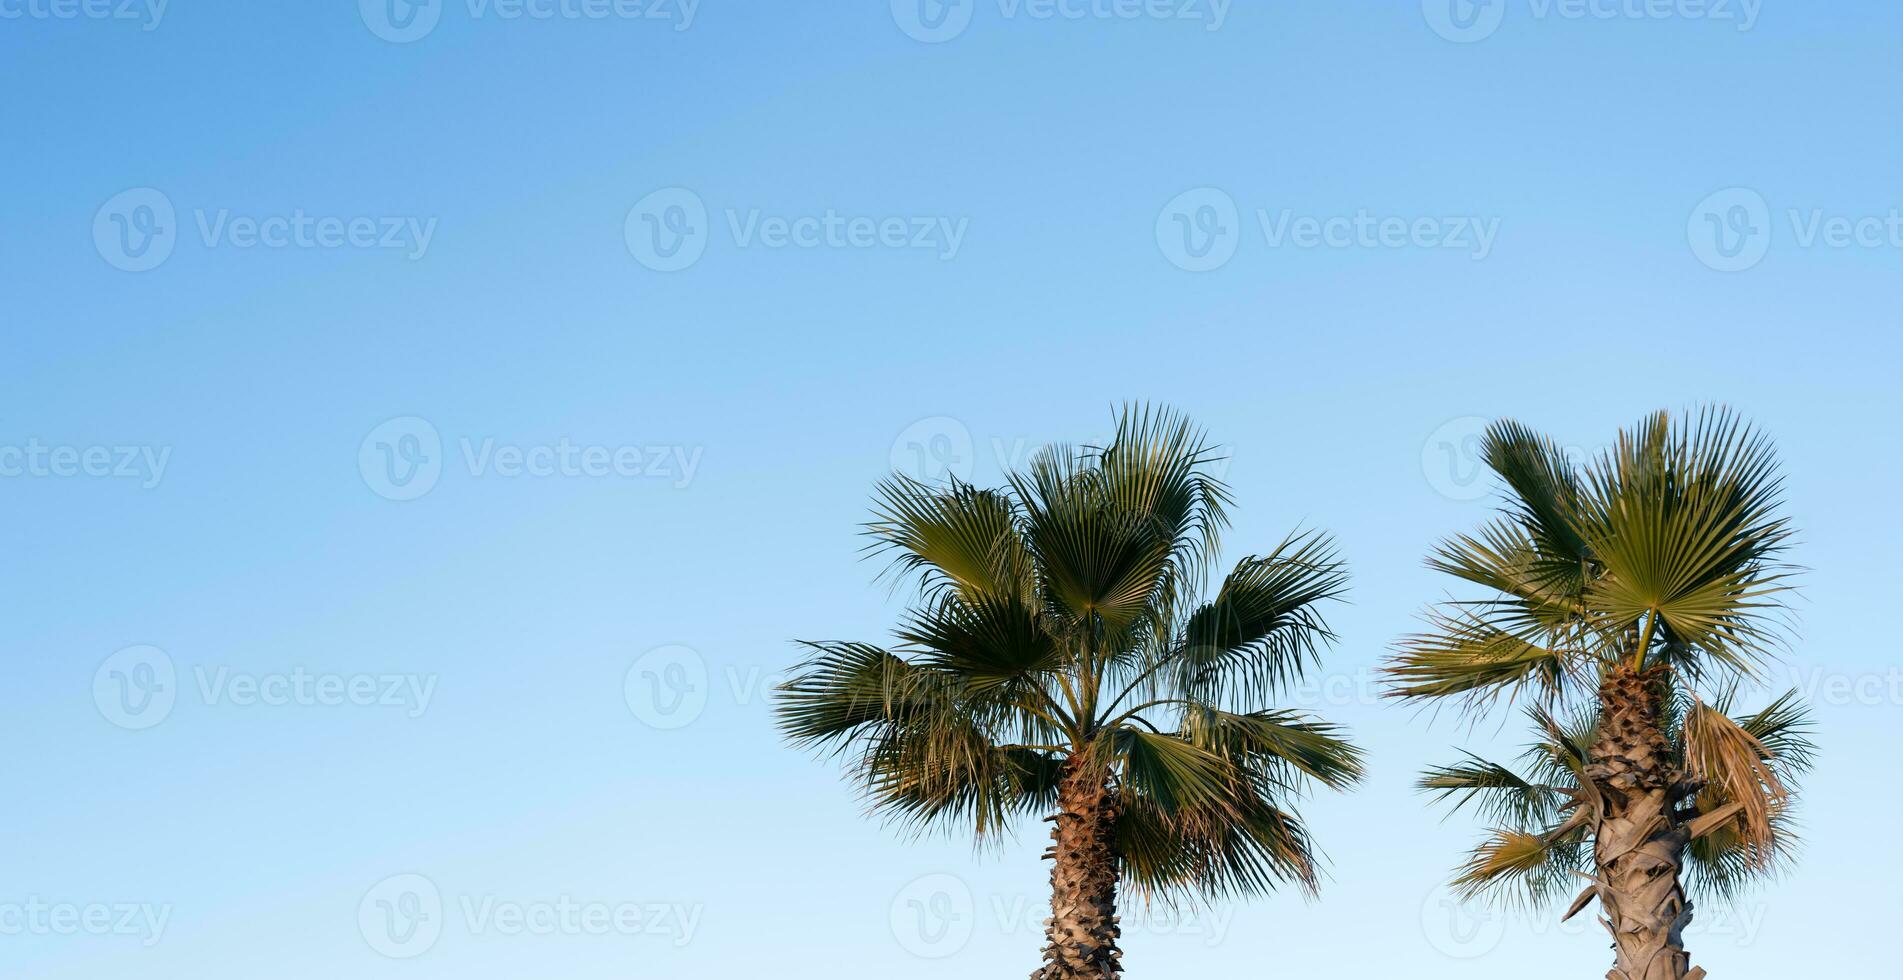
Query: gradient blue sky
x,y
793,378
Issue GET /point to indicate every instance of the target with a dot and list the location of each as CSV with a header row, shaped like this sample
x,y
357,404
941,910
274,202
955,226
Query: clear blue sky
x,y
1676,209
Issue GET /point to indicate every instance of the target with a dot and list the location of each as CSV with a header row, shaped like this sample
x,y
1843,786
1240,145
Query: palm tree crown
x,y
1625,601
1057,637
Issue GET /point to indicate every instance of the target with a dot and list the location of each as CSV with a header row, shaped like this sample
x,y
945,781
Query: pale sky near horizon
x,y
425,430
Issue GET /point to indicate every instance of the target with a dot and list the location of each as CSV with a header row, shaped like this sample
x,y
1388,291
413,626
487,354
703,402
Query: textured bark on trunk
x,y
1639,843
1081,934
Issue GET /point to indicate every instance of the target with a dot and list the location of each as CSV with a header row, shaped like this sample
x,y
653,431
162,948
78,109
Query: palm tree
x,y
1626,601
1057,665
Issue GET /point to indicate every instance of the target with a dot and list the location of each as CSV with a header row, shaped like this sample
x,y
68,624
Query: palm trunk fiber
x,y
1081,934
1639,843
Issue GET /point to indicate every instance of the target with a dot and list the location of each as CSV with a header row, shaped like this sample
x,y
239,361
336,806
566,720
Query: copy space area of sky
x,y
426,428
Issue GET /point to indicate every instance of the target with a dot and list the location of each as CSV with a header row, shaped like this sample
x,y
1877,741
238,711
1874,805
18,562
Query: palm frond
x,y
1263,628
1543,503
1258,744
956,537
985,640
1099,562
1520,867
1684,522
1468,654
843,688
1498,793
1215,854
1157,465
944,772
1174,773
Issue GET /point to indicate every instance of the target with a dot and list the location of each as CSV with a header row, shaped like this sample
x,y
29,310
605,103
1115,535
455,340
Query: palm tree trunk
x,y
1081,934
1639,843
